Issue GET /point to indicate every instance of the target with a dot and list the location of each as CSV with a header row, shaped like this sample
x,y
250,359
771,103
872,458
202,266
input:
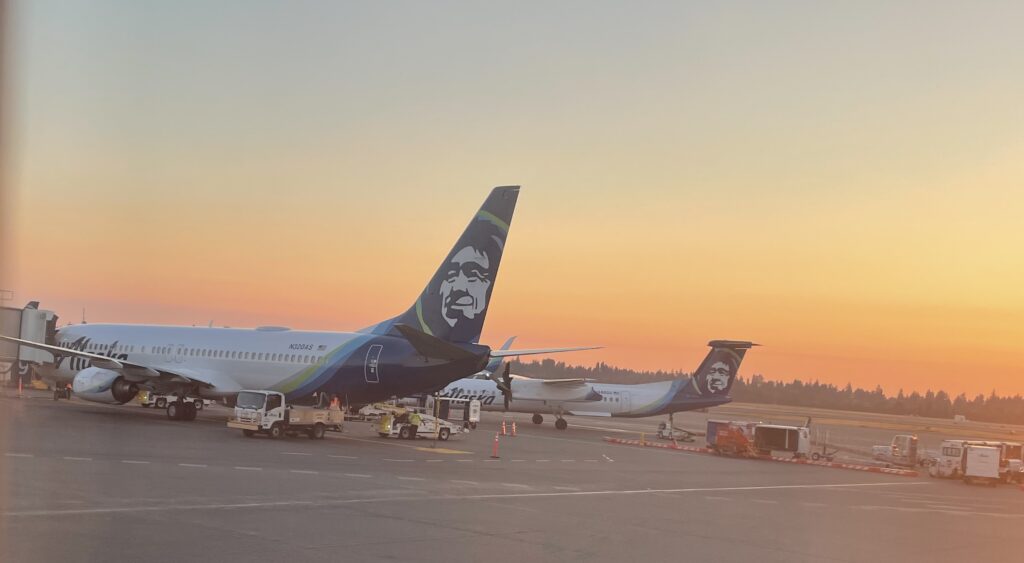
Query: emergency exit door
x,y
372,368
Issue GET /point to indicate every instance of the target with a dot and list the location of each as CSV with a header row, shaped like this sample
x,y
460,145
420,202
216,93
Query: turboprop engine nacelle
x,y
103,386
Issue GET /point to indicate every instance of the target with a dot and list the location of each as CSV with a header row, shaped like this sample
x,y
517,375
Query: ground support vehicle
x,y
266,412
731,438
398,425
981,464
149,399
947,463
901,452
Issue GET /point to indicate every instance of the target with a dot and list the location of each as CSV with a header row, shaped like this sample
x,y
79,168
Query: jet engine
x,y
103,386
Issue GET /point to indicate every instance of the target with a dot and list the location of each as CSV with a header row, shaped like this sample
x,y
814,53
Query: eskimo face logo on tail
x,y
715,376
466,285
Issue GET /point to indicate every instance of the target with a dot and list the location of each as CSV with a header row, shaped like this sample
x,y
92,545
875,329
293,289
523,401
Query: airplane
x,y
709,386
434,342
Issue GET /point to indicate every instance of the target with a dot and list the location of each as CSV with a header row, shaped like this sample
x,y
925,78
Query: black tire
x,y
146,405
198,404
276,430
561,424
190,412
248,433
318,431
161,403
815,456
443,434
174,411
538,419
405,433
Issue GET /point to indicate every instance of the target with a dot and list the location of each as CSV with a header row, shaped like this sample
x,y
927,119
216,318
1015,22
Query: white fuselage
x,y
230,359
535,396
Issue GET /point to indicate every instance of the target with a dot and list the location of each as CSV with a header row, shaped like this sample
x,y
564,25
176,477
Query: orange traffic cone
x,y
494,450
513,429
503,433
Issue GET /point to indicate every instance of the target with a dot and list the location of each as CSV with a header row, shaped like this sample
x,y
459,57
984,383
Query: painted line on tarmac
x,y
610,460
463,482
342,456
437,498
434,460
304,471
71,458
382,442
244,468
11,454
397,460
411,479
134,461
295,453
362,475
193,465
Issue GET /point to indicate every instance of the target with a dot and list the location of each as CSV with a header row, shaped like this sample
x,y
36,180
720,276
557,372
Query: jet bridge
x,y
27,323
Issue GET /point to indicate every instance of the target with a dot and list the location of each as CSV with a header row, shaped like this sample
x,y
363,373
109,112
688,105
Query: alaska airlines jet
x,y
709,386
434,342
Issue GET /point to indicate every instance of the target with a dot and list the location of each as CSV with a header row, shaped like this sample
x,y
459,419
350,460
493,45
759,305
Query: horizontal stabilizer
x,y
536,351
432,347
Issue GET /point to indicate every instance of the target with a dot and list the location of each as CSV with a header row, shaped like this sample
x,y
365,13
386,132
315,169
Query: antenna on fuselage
x,y
83,316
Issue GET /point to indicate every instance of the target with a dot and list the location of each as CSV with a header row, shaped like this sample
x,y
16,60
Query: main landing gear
x,y
560,422
181,410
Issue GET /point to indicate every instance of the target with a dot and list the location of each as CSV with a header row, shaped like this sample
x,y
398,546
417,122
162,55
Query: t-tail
x,y
454,304
717,372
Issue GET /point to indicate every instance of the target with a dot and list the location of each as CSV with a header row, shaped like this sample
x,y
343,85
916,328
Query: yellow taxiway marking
x,y
442,450
399,445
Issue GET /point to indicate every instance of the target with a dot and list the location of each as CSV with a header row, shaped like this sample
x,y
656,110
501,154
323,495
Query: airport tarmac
x,y
88,482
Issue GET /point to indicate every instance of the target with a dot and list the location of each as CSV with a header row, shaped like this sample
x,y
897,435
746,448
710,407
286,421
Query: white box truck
x,y
981,464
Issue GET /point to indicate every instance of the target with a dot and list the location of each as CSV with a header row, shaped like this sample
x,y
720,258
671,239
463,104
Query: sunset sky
x,y
843,184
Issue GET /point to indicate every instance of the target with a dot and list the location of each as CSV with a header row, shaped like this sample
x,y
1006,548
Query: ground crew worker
x,y
335,402
414,422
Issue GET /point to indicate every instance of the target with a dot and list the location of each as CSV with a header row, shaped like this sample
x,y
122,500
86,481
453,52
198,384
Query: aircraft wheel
x,y
538,419
561,424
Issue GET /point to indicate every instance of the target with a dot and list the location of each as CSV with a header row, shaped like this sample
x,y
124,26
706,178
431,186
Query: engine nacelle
x,y
103,386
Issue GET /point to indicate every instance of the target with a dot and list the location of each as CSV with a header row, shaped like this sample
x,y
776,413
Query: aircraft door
x,y
372,368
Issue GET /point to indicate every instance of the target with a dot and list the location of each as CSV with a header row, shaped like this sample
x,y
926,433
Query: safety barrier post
x,y
513,429
19,387
494,450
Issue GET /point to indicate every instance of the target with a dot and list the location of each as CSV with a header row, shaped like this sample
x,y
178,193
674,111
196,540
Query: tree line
x,y
757,389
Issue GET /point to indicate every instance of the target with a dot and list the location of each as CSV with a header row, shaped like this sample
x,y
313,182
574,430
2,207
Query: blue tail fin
x,y
454,304
718,370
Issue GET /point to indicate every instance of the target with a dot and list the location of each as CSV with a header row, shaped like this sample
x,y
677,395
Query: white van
x,y
946,464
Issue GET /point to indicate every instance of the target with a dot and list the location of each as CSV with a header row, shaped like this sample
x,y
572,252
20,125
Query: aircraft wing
x,y
132,371
535,351
564,382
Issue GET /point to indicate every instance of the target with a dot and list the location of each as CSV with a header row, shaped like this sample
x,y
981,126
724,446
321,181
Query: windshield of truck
x,y
249,400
